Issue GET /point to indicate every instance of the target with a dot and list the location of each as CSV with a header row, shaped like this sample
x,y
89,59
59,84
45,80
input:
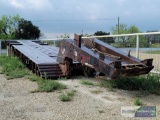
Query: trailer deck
x,y
37,56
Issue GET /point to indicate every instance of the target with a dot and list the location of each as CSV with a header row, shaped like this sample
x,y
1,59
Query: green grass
x,y
155,45
3,54
153,52
65,97
86,82
33,78
137,102
149,83
46,85
13,67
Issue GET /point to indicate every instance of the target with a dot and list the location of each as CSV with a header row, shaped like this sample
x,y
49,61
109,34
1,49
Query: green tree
x,y
14,27
122,29
153,38
8,25
26,30
129,41
106,39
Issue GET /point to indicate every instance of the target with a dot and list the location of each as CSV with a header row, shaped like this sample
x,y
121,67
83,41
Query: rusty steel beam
x,y
70,52
101,57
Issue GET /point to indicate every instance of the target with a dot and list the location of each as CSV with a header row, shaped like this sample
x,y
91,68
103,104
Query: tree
x,y
129,41
106,39
26,30
153,38
63,36
14,27
122,29
8,25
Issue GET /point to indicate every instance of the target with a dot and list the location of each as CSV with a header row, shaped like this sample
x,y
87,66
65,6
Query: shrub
x,y
148,83
137,102
12,67
67,96
49,85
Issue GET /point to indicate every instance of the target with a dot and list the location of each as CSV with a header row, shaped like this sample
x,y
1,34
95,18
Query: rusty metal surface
x,y
130,65
87,57
103,58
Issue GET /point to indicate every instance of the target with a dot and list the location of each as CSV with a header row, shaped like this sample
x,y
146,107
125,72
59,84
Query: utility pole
x,y
118,28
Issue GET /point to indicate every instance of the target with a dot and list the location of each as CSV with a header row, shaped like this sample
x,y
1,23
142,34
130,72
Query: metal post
x,y
7,50
0,47
137,46
54,42
118,29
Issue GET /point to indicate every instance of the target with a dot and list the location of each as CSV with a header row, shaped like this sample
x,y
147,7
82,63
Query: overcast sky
x,y
54,17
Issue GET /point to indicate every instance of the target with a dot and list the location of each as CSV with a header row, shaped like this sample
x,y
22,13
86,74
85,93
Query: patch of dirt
x,y
89,103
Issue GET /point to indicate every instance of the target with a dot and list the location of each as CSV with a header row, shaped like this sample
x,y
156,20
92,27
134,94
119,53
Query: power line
x,y
71,20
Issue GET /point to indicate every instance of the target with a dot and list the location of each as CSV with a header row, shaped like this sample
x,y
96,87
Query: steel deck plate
x,y
40,54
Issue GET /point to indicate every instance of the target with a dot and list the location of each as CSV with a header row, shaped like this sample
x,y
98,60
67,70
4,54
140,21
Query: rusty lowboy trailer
x,y
91,56
96,55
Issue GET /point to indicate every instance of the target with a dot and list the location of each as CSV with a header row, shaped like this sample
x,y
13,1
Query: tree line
x,y
15,27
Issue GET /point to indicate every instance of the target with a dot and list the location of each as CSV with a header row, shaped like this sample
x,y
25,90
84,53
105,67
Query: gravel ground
x,y
90,102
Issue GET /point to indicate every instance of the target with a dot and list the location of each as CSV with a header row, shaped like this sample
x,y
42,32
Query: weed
x,y
71,93
85,82
67,96
62,78
101,111
146,83
12,67
96,91
49,85
137,102
33,78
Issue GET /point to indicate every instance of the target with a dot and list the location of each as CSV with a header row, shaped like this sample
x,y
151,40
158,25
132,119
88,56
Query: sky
x,y
58,17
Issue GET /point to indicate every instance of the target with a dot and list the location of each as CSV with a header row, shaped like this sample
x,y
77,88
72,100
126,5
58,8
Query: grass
x,y
86,82
101,111
96,91
148,83
65,97
62,78
12,67
137,102
153,52
155,45
46,85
